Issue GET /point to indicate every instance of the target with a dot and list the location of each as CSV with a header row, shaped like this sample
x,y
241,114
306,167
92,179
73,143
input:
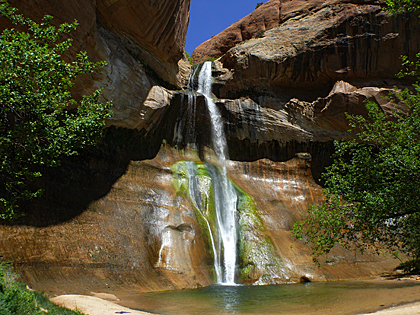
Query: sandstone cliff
x,y
265,17
142,42
314,44
142,235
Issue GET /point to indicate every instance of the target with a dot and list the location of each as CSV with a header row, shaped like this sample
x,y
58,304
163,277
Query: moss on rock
x,y
257,259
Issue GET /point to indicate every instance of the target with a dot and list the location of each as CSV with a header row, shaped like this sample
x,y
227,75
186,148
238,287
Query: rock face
x,y
112,218
158,27
142,42
315,44
263,18
143,235
134,237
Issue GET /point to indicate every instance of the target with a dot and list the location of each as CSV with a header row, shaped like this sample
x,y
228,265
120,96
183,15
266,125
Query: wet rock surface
x,y
142,235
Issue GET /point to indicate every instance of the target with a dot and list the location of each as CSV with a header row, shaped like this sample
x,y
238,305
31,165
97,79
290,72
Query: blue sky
x,y
210,17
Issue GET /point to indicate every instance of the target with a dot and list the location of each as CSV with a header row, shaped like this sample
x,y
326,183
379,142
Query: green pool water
x,y
343,297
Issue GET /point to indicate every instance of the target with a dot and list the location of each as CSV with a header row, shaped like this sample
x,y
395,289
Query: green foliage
x,y
259,34
190,60
410,68
17,299
259,4
399,6
40,121
372,186
410,266
211,59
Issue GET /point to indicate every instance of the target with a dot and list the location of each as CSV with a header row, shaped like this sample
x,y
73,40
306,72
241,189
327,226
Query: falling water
x,y
225,203
184,130
217,131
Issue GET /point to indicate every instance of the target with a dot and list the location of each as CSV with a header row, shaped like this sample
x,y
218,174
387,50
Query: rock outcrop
x,y
315,44
142,42
143,235
265,17
159,28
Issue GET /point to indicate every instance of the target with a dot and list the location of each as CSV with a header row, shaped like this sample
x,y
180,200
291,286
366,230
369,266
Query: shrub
x,y
17,299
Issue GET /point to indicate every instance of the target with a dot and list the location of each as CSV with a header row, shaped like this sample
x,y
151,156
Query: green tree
x,y
372,191
16,298
190,60
399,6
40,121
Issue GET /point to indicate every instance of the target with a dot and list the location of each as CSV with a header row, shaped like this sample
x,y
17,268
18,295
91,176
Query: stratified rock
x,y
158,27
142,42
316,44
138,235
267,119
142,234
152,108
265,17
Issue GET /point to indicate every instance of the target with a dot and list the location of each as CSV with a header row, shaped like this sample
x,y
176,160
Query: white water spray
x,y
225,195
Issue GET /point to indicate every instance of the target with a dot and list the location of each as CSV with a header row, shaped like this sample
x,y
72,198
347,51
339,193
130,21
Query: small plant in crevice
x,y
211,58
259,34
190,59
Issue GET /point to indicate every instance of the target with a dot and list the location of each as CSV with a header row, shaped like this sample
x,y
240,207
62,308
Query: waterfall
x,y
224,192
217,131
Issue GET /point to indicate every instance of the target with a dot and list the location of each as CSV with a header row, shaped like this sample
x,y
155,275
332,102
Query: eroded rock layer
x,y
315,44
142,234
142,42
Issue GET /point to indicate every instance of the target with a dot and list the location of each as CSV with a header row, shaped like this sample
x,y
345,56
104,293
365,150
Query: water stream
x,y
225,255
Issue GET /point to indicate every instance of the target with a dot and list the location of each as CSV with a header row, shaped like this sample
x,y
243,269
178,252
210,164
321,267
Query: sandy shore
x,y
409,309
104,304
94,305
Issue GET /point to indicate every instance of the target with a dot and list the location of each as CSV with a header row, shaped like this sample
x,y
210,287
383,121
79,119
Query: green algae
x,y
257,257
202,204
258,260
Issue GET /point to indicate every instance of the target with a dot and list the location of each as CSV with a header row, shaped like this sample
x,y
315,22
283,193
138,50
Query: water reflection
x,y
227,298
345,297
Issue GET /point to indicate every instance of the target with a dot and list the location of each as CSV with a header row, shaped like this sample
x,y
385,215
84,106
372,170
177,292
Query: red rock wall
x,y
147,37
314,44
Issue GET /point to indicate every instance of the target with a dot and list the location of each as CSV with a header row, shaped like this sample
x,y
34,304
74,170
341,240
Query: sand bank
x,y
93,305
409,309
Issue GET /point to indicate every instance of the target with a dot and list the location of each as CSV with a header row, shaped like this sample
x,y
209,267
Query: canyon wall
x,y
142,42
112,217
